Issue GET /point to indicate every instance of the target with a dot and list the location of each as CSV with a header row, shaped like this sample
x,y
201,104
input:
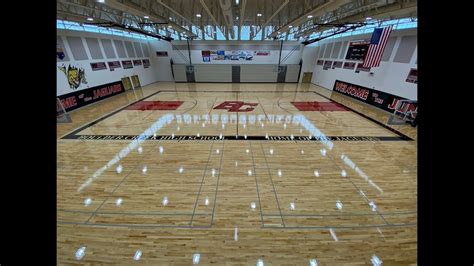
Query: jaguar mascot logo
x,y
75,76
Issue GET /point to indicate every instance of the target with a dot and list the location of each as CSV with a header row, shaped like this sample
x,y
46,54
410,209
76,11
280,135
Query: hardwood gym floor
x,y
211,165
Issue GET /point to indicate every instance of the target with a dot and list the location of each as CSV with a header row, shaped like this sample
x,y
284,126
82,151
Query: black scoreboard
x,y
357,50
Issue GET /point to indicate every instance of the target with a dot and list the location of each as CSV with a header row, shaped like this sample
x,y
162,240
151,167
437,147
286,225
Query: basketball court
x,y
272,183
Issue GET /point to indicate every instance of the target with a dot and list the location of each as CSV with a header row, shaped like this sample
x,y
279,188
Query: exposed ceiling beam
x,y
390,11
74,16
132,10
329,6
209,13
179,15
226,7
107,24
242,12
92,9
272,16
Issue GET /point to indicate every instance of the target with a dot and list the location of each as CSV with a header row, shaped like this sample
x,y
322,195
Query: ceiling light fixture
x,y
310,16
290,26
146,17
90,19
259,15
100,1
236,2
198,15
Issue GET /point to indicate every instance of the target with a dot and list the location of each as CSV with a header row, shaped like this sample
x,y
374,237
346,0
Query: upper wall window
x,y
69,25
245,33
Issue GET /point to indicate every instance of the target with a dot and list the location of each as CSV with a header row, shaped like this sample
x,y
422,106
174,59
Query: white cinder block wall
x,y
389,77
162,64
309,59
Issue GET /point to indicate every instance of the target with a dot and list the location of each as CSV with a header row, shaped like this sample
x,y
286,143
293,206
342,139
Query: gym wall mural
x,y
76,76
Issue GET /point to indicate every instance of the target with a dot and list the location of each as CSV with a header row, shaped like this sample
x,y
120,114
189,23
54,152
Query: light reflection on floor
x,y
175,201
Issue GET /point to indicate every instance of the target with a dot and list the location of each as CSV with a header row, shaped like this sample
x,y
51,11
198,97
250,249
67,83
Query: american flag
x,y
377,46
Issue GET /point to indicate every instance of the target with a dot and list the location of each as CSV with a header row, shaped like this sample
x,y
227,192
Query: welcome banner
x,y
379,99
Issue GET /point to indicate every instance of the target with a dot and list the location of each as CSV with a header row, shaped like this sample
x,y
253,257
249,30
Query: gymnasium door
x,y
307,77
281,74
190,74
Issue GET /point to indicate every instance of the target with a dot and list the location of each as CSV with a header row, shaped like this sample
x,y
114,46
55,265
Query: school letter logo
x,y
235,106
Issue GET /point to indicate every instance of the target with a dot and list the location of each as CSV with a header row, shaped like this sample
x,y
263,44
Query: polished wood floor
x,y
210,184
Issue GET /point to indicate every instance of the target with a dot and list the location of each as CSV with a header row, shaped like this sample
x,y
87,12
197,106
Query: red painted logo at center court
x,y
236,106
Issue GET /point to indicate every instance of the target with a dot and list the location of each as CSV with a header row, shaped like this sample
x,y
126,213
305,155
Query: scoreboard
x,y
357,50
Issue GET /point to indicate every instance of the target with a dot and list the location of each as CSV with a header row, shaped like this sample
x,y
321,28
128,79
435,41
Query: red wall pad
x,y
318,106
155,105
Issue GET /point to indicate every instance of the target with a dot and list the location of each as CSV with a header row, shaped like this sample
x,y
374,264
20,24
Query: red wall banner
x,y
127,64
327,64
349,65
114,64
98,66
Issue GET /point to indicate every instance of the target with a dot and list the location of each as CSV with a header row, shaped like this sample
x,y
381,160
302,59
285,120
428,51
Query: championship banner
x,y
127,64
98,66
206,56
262,53
349,65
327,65
220,55
337,64
81,98
114,64
214,55
379,99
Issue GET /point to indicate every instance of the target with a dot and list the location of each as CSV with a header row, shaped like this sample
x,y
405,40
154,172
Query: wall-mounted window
x,y
404,23
245,33
70,25
220,36
259,33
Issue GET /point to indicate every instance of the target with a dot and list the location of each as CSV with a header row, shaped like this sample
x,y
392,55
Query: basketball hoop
x,y
61,115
